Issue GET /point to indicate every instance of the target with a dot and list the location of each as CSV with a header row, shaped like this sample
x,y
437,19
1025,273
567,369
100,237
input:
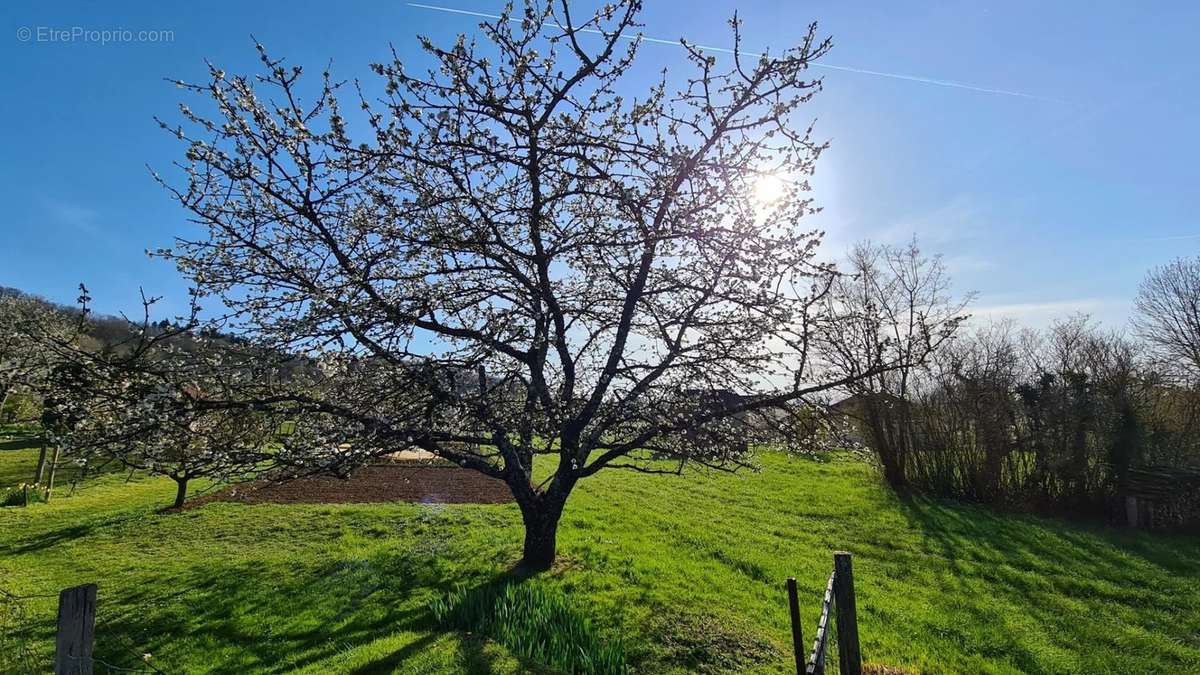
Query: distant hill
x,y
111,331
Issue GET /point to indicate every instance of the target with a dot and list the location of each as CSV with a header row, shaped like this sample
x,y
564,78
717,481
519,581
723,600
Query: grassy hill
x,y
686,572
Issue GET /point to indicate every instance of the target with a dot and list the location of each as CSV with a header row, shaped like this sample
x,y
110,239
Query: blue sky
x,y
1045,203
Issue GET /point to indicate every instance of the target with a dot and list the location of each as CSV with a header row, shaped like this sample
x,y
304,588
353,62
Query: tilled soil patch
x,y
429,484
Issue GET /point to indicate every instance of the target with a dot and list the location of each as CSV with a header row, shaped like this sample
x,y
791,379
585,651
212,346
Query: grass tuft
x,y
533,621
706,643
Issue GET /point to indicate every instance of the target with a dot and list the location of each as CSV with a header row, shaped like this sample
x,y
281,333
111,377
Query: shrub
x,y
532,621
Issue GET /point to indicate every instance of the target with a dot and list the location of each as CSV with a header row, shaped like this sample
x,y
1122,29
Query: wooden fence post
x,y
76,631
849,656
797,632
53,470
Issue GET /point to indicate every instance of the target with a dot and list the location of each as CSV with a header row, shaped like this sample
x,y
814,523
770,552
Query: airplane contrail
x,y
724,50
1173,237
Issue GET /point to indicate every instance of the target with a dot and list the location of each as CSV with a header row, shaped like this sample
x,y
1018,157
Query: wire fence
x,y
82,645
16,651
836,637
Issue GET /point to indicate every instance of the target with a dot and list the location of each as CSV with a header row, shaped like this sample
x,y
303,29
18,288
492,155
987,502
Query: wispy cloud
x,y
1171,237
1053,307
939,82
74,216
948,226
962,263
1036,314
957,219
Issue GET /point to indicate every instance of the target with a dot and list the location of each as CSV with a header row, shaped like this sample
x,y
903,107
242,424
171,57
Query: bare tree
x,y
518,260
886,316
1168,314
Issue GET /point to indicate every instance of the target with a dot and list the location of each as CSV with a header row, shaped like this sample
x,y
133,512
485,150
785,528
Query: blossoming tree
x,y
515,256
153,402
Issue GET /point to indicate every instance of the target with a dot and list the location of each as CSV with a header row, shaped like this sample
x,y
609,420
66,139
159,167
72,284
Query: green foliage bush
x,y
533,621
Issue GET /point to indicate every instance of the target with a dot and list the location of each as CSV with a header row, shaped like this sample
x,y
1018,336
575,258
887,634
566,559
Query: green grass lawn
x,y
687,572
18,462
18,457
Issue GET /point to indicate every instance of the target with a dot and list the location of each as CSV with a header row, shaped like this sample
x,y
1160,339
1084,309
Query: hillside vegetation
x,y
687,574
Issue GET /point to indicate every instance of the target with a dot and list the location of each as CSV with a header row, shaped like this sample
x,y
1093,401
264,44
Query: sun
x,y
768,189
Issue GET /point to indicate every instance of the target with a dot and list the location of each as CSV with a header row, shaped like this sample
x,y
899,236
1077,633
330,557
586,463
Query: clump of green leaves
x,y
533,621
22,495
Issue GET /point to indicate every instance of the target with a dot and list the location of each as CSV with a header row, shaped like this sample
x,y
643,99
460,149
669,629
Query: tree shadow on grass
x,y
479,660
1005,570
391,662
51,539
19,443
268,617
69,533
472,654
254,617
970,533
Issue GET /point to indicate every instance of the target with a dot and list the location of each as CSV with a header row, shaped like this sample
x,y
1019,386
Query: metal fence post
x,y
849,656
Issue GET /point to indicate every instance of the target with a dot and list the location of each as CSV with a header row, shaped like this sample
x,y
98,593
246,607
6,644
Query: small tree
x,y
22,364
1168,314
142,402
179,440
518,260
13,352
61,412
887,315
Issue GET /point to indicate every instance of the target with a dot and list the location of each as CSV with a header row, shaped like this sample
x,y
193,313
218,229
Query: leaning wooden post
x,y
76,631
41,465
53,470
797,632
849,656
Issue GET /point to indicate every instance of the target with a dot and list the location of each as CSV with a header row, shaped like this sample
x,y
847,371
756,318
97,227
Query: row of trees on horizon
x,y
1064,419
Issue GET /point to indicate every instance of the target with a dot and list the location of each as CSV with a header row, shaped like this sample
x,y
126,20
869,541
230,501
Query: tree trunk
x,y
541,532
180,492
882,435
893,473
41,465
